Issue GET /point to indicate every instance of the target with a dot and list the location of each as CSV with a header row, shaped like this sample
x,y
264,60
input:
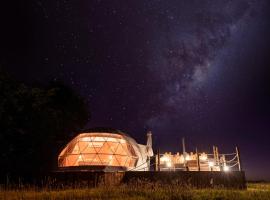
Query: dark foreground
x,y
258,191
195,179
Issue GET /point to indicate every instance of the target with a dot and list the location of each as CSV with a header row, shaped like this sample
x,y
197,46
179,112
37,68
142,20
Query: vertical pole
x,y
214,153
198,160
238,158
224,161
184,151
218,161
158,160
183,145
149,149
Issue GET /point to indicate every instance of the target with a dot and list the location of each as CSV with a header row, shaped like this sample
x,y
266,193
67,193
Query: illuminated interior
x,y
98,149
170,161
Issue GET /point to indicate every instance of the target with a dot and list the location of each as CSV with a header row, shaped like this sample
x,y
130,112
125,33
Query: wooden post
x,y
214,153
184,151
238,158
198,160
224,161
158,160
217,155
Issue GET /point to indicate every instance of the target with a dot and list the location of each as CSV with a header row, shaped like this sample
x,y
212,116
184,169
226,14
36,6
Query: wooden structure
x,y
197,179
198,161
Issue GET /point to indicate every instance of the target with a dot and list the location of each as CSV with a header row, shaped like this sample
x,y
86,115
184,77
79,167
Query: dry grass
x,y
259,191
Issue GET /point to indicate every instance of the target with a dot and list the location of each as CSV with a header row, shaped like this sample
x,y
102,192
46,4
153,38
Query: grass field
x,y
258,191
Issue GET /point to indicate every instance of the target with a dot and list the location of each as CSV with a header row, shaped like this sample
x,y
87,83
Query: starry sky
x,y
197,69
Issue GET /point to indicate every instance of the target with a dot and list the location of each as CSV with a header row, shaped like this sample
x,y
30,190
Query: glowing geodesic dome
x,y
106,148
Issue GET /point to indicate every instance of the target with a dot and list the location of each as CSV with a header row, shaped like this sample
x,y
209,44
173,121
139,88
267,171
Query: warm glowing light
x,y
211,164
226,168
203,157
169,164
165,159
181,160
98,149
188,157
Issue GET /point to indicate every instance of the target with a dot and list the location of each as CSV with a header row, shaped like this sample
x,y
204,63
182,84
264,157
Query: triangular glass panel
x,y
125,160
120,150
82,145
125,148
113,146
104,159
87,159
118,160
105,149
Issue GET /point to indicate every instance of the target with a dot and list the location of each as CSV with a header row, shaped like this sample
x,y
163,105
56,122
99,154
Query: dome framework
x,y
99,149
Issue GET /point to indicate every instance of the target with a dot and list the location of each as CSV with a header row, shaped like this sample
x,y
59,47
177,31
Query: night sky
x,y
198,69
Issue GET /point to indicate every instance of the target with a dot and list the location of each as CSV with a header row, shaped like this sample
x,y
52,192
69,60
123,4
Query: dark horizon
x,y
198,70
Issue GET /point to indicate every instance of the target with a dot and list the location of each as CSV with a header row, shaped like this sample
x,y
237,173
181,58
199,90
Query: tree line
x,y
35,124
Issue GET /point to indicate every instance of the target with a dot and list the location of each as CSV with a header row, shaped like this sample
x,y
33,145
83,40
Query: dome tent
x,y
104,149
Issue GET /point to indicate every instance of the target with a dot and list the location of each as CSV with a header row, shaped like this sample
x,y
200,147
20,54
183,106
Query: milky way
x,y
186,52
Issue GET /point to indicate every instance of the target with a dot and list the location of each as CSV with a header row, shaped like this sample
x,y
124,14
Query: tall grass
x,y
144,191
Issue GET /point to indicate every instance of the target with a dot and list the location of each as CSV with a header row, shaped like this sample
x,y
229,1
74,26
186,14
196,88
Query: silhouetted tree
x,y
35,123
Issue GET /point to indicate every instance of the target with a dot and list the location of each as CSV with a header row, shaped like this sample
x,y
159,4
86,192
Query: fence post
x,y
238,158
158,161
217,154
198,160
214,154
